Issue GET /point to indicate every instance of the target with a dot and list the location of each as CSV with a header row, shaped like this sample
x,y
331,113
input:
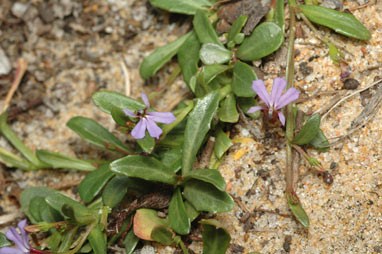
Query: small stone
x,y
287,243
46,12
19,9
332,4
5,65
378,249
350,84
362,2
305,69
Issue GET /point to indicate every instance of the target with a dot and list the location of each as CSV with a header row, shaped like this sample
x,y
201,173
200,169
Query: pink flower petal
x,y
145,100
153,129
129,113
278,87
10,250
16,238
259,87
289,96
255,109
281,117
161,117
139,130
21,225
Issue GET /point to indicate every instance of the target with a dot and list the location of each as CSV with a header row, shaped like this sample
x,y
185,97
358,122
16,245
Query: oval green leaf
x,y
205,197
198,124
212,53
182,6
203,28
147,144
143,167
222,143
172,158
152,63
297,210
264,40
216,238
191,211
58,201
207,175
228,112
308,131
243,76
93,183
188,57
97,240
320,142
107,100
4,241
245,104
177,214
163,234
343,23
130,242
57,160
96,134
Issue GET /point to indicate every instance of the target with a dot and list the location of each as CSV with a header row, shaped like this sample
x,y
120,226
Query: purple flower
x,y
275,101
148,120
21,241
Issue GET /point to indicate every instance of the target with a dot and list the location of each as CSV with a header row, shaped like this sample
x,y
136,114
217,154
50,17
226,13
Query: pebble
x,y
350,84
18,9
5,65
332,4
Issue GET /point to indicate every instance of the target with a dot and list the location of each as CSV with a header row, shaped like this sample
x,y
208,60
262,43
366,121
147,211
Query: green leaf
x,y
145,220
236,27
13,161
191,211
119,116
147,144
205,197
54,240
107,100
343,23
212,53
16,141
163,234
245,104
57,201
117,188
152,63
177,214
198,124
216,238
130,242
28,194
143,167
228,111
42,212
93,183
58,160
308,131
243,76
97,240
296,208
264,40
203,28
188,57
276,14
182,6
4,241
96,134
207,175
172,158
222,143
320,142
334,53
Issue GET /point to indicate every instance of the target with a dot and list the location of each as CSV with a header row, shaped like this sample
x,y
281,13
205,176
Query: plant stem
x,y
290,78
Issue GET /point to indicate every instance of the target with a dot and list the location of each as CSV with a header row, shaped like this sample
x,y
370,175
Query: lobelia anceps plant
x,y
222,78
